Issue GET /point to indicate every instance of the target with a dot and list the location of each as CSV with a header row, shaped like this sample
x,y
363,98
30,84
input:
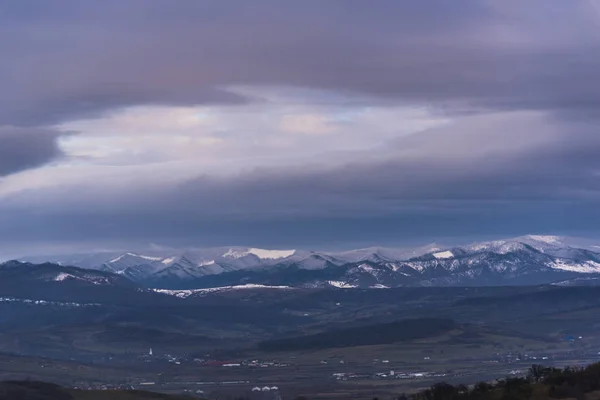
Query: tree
x,y
441,391
516,389
536,372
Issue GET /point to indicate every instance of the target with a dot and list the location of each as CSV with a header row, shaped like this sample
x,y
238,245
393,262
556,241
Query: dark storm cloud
x,y
69,59
22,149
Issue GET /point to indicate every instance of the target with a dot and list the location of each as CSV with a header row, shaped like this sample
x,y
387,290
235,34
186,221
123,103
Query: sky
x,y
303,124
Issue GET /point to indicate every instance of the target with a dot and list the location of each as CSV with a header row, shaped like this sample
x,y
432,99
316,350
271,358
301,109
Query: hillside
x,y
32,390
398,331
540,383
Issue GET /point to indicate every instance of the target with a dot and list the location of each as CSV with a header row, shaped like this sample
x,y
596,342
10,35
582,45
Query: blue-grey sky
x,y
296,123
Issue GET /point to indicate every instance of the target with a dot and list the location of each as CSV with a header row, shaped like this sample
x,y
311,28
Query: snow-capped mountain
x,y
519,261
377,254
127,260
529,259
174,265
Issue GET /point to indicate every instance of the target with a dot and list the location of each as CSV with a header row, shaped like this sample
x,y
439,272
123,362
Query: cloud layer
x,y
22,149
314,122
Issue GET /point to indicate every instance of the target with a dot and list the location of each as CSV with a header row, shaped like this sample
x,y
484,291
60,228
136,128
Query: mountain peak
x,y
263,254
135,256
545,239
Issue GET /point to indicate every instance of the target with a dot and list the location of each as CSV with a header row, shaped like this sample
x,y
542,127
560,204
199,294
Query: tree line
x,y
540,383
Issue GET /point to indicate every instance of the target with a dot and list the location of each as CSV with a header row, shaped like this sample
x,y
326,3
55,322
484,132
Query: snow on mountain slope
x,y
192,263
87,278
260,253
443,255
133,266
183,268
312,260
502,262
134,258
546,239
543,243
497,246
588,267
384,253
271,254
557,246
369,254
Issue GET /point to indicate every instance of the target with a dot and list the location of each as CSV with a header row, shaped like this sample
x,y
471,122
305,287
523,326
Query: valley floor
x,y
317,343
358,372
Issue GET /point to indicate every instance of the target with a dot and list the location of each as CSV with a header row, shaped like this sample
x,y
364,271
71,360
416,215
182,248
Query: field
x,y
323,344
450,357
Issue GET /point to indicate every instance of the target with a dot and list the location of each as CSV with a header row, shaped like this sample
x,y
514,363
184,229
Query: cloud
x,y
424,185
281,130
74,60
21,149
315,121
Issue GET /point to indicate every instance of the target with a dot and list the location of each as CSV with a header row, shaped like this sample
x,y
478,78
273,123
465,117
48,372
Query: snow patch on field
x,y
341,284
46,302
182,294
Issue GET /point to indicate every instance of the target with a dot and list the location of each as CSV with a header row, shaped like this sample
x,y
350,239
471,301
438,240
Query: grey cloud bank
x,y
74,58
518,83
21,149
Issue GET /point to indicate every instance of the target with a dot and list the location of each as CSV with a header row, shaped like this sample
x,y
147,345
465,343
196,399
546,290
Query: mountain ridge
x,y
531,259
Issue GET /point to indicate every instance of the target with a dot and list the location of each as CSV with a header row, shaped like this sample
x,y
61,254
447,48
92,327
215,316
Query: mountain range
x,y
525,260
